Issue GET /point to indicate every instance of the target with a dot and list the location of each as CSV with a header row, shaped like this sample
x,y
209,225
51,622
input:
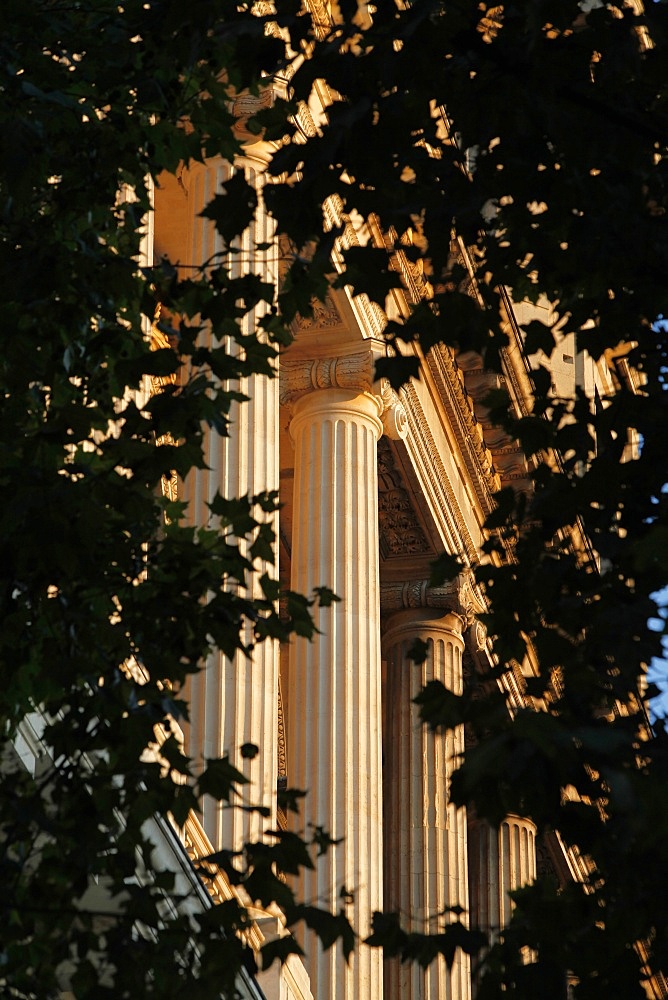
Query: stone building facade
x,y
374,484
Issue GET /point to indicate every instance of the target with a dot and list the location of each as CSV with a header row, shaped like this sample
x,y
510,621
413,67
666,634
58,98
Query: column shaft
x,y
500,861
236,702
334,698
425,844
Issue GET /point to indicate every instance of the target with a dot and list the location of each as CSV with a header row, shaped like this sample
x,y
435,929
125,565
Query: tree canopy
x,y
531,132
534,133
109,600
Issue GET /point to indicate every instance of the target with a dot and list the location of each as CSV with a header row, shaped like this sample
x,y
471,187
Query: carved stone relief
x,y
400,531
325,316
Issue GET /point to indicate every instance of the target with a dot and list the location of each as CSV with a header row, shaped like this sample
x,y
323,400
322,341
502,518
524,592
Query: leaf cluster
x,y
533,134
109,599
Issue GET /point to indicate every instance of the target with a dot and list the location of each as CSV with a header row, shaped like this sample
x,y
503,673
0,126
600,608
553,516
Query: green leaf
x,y
220,779
397,370
538,336
369,269
279,949
439,707
329,927
233,210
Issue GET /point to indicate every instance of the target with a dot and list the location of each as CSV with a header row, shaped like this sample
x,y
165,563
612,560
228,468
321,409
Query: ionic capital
x,y
460,596
418,594
350,371
423,623
471,601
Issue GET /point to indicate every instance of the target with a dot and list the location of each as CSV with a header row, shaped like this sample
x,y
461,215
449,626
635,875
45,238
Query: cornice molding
x,y
321,15
420,443
463,421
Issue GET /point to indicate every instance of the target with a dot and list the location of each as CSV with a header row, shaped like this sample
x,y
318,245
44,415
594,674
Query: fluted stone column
x,y
334,696
500,861
235,701
425,841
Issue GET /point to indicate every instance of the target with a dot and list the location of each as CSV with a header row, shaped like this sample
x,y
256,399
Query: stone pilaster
x,y
236,702
500,861
334,696
425,844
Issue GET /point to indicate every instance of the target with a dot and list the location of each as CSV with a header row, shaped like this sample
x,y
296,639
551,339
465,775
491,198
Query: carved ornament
x,y
281,745
459,408
471,600
400,531
427,456
459,595
393,415
418,594
478,636
351,371
325,316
